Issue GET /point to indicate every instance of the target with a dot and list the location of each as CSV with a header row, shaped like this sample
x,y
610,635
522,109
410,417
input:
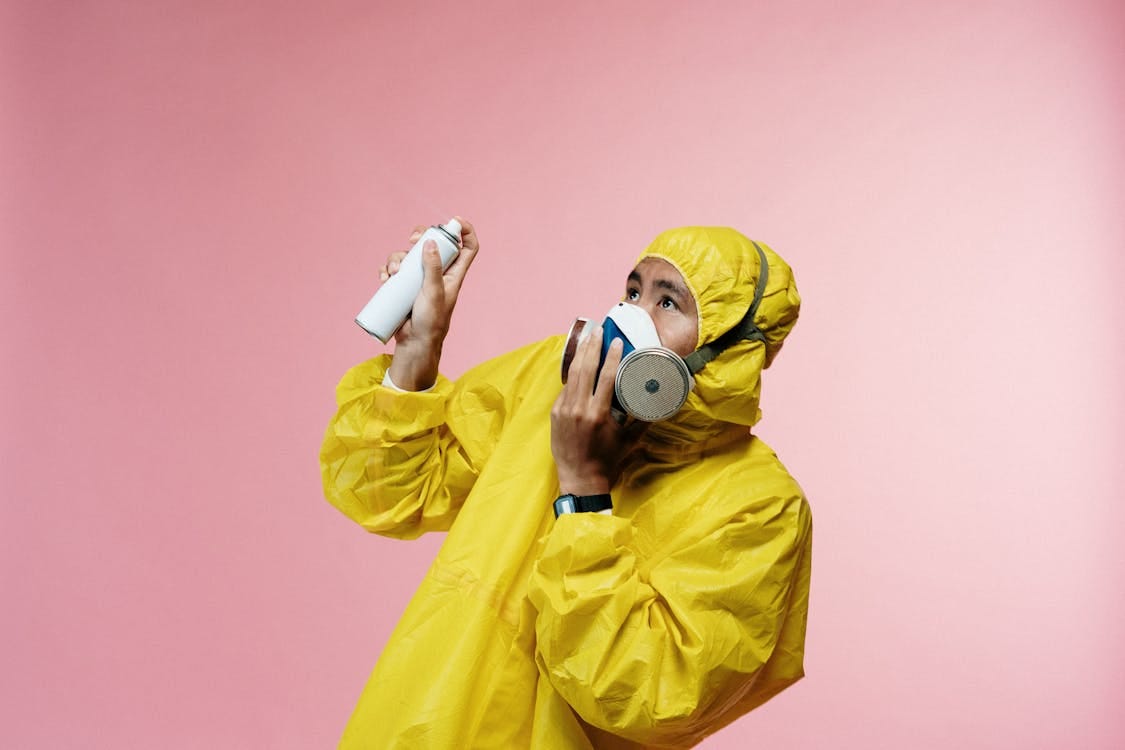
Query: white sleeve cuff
x,y
388,383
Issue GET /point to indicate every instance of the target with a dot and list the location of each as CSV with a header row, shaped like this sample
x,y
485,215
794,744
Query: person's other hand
x,y
586,441
419,340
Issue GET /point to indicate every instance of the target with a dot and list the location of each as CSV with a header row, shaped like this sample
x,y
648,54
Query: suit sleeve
x,y
401,464
662,655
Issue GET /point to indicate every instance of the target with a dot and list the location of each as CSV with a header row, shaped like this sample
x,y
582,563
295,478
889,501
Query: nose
x,y
648,304
651,305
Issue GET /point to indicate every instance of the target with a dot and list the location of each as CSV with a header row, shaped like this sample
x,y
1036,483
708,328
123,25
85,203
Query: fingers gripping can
x,y
391,305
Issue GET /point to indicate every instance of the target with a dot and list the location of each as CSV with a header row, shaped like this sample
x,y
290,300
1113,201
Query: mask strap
x,y
745,330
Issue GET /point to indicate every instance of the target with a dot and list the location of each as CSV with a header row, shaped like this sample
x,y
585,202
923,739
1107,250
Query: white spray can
x,y
389,308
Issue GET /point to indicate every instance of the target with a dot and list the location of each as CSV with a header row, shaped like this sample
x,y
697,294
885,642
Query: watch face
x,y
583,504
565,504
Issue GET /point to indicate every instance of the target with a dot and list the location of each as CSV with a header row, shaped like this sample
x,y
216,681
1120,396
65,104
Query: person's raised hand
x,y
419,340
587,442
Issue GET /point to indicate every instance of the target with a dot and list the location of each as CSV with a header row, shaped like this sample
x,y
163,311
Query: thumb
x,y
431,269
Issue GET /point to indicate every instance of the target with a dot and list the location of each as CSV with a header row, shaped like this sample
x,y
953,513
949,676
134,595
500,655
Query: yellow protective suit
x,y
651,627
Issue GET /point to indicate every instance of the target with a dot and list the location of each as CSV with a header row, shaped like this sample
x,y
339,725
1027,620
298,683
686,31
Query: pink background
x,y
195,201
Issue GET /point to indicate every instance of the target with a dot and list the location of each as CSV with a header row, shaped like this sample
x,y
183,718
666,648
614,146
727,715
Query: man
x,y
650,624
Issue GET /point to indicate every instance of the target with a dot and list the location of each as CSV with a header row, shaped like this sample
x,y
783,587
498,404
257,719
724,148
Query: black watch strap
x,y
582,504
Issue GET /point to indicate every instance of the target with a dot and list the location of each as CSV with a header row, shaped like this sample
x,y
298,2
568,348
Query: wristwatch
x,y
582,504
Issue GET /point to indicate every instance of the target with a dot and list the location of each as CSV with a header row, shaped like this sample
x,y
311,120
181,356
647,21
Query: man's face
x,y
658,288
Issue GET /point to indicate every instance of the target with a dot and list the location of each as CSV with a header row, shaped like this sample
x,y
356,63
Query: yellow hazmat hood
x,y
721,268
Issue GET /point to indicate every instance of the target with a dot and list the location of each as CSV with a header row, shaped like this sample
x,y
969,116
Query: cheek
x,y
679,335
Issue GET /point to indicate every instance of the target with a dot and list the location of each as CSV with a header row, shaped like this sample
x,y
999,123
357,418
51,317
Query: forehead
x,y
658,269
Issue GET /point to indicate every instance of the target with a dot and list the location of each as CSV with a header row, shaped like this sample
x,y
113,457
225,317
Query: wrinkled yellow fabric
x,y
652,627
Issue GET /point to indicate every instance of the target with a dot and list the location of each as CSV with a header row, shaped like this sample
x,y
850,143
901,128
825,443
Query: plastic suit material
x,y
651,627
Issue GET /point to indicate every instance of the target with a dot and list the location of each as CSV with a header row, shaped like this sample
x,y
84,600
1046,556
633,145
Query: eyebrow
x,y
674,288
678,290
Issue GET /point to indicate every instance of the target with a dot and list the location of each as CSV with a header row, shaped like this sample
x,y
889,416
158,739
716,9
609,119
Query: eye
x,y
632,295
667,303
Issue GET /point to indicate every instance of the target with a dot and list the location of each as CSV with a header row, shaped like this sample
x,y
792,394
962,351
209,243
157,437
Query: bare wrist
x,y
412,371
589,485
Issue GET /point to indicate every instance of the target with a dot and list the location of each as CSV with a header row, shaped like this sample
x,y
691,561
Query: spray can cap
x,y
453,228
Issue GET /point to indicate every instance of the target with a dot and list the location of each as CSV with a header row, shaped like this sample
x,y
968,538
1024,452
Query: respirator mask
x,y
653,382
